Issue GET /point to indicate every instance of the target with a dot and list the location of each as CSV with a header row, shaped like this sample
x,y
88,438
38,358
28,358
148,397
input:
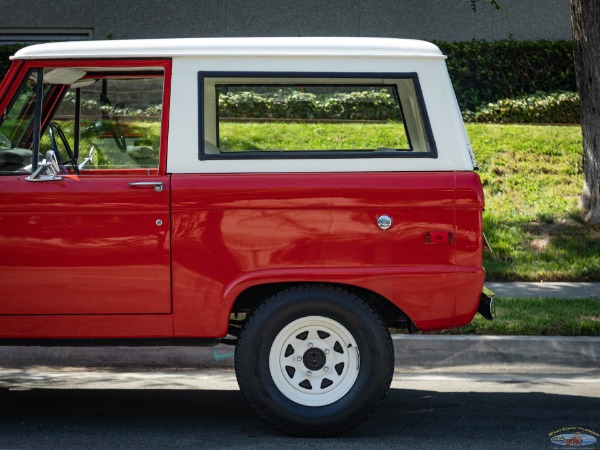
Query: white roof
x,y
238,47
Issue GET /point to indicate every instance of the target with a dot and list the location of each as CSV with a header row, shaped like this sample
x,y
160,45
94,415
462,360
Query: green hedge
x,y
374,104
484,72
554,107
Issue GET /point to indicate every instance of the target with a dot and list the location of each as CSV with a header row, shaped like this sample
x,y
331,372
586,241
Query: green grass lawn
x,y
241,136
532,178
538,317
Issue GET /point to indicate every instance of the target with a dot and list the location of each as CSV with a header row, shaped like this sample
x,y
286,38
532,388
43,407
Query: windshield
x,y
16,129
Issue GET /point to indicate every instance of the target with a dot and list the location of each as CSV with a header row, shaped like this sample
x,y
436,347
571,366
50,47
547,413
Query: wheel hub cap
x,y
314,361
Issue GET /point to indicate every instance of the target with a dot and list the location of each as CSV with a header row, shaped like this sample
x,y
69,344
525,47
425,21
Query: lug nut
x,y
327,351
326,369
310,345
299,358
309,373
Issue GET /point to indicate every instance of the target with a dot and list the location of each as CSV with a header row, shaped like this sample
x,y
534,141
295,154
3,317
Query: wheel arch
x,y
251,297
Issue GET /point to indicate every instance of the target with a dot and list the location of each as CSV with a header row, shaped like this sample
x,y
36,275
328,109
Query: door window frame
x,y
21,68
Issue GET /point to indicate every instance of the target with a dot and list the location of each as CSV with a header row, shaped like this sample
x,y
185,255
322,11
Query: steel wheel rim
x,y
314,361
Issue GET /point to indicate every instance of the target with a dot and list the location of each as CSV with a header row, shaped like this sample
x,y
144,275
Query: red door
x,y
97,244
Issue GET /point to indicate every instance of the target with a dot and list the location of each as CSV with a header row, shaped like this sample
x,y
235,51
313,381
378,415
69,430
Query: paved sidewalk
x,y
564,290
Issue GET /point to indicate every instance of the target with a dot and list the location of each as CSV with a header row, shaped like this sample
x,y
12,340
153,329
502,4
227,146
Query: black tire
x,y
346,365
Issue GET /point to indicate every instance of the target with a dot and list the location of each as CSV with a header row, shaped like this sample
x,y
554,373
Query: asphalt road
x,y
63,408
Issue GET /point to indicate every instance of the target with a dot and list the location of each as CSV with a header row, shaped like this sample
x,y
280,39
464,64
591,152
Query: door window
x,y
120,119
92,118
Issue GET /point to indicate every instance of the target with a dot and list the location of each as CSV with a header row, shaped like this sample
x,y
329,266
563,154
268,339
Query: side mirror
x,y
5,142
89,159
52,162
47,170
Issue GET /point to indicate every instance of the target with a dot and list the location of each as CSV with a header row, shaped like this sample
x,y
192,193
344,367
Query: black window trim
x,y
317,154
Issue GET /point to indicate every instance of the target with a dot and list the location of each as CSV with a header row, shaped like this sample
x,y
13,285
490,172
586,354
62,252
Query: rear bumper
x,y
486,304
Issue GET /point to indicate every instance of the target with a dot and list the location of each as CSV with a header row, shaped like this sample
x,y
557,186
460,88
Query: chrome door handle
x,y
157,185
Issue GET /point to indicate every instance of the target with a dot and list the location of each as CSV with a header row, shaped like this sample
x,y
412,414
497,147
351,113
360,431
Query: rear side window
x,y
275,116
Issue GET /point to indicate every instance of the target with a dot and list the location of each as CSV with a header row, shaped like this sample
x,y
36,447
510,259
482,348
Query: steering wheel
x,y
55,130
117,134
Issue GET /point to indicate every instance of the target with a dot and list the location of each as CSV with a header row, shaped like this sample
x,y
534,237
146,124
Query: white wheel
x,y
314,361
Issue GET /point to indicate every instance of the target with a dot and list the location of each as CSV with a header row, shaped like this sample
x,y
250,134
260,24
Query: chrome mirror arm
x,y
89,159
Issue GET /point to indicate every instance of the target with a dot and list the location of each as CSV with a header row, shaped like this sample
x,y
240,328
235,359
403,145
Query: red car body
x,y
181,225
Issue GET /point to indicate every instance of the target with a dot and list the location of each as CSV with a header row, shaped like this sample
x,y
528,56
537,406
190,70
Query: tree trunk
x,y
585,20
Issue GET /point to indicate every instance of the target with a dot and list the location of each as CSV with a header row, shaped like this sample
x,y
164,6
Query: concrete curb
x,y
411,351
435,351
